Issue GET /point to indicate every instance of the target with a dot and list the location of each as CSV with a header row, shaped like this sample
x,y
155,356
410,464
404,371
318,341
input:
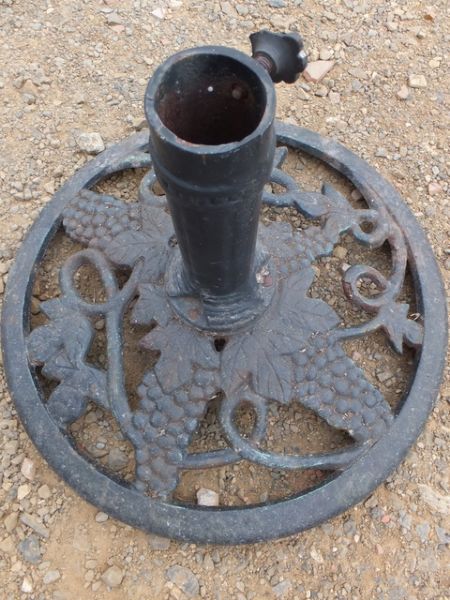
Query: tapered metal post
x,y
211,116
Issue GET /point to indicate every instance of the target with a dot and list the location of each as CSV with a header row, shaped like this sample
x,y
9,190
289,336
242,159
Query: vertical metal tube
x,y
211,116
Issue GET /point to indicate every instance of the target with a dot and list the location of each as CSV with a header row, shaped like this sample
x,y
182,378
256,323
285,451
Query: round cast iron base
x,y
293,353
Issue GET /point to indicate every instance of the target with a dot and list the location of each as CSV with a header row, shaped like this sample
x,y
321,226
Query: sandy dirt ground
x,y
81,66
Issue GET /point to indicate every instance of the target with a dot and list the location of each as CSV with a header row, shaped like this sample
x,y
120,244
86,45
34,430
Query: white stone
x,y
207,497
113,18
316,556
334,97
27,586
28,469
49,187
325,54
417,81
403,93
23,491
159,13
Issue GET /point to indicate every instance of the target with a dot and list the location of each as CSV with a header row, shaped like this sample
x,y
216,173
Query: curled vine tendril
x,y
113,310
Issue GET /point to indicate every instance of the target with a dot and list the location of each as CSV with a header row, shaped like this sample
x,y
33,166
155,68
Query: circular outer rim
x,y
228,525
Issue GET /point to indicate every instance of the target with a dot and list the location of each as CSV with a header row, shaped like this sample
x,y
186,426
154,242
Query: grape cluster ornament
x,y
224,303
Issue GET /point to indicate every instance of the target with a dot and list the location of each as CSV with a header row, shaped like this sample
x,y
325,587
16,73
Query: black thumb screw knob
x,y
281,54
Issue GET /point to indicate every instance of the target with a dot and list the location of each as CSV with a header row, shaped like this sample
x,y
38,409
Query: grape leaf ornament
x,y
290,354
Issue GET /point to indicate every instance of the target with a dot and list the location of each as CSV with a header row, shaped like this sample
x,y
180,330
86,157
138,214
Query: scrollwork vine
x,y
306,362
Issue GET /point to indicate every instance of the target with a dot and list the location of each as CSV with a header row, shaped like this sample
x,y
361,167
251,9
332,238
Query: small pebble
x,y
100,324
349,527
228,9
317,70
403,93
159,13
208,563
23,491
281,589
112,577
28,469
321,91
185,579
113,18
117,459
423,531
10,522
325,54
158,543
384,376
7,545
442,535
27,586
381,153
29,98
34,523
334,97
438,502
51,577
44,492
434,188
101,517
91,143
206,497
356,195
30,549
417,81
340,252
35,310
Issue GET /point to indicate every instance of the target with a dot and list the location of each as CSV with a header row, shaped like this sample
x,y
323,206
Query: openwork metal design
x,y
292,353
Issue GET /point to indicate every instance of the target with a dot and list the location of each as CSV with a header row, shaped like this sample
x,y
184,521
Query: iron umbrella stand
x,y
227,302
211,114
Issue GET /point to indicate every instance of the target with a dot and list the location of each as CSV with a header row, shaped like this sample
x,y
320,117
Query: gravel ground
x,y
69,70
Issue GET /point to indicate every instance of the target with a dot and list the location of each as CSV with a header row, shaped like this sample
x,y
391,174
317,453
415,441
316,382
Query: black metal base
x,y
222,314
289,352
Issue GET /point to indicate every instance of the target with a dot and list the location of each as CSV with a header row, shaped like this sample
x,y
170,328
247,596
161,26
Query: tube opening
x,y
210,100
